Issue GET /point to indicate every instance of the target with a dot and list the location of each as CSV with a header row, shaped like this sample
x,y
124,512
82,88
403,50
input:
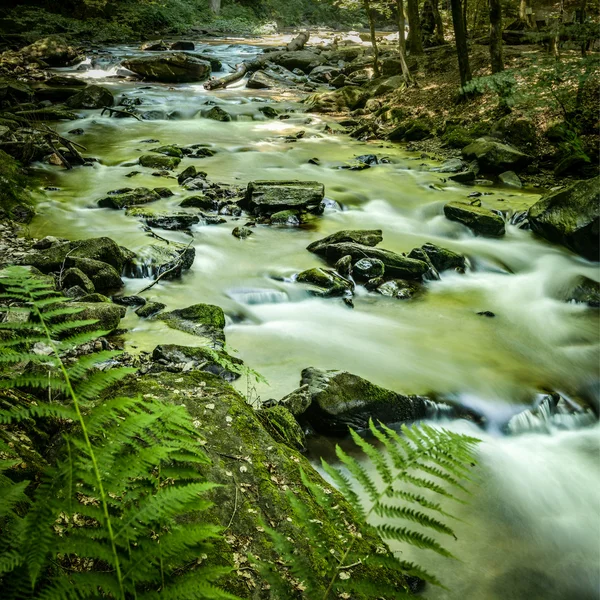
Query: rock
x,y
101,249
266,469
169,221
286,218
346,98
510,179
103,276
183,45
495,157
444,259
305,60
396,265
480,220
298,401
165,163
464,177
158,46
161,259
365,237
388,85
328,281
391,65
268,111
340,400
93,96
169,151
241,233
368,268
215,63
53,50
400,289
324,74
344,266
217,362
106,315
283,427
201,202
585,291
128,197
76,277
150,309
216,113
164,192
265,197
129,300
571,217
203,320
188,173
170,68
520,132
259,80
412,130
96,297
452,165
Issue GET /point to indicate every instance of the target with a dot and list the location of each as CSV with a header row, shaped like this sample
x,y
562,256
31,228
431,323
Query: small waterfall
x,y
252,296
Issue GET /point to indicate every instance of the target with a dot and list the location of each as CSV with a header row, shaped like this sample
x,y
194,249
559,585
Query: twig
x,y
342,567
234,508
120,112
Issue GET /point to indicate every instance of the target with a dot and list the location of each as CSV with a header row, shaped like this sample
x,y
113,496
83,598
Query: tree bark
x,y
371,17
496,36
215,6
462,50
402,42
414,43
439,25
464,13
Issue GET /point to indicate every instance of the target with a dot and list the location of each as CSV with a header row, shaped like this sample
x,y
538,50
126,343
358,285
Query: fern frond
x,y
359,473
401,534
401,512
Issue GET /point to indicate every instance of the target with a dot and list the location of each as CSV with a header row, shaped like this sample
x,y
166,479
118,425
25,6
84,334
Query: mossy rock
x,y
106,314
169,151
283,427
203,320
481,220
15,199
256,473
329,282
93,96
164,163
412,130
365,237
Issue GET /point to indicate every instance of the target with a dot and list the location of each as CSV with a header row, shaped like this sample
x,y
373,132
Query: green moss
x,y
15,200
283,427
153,161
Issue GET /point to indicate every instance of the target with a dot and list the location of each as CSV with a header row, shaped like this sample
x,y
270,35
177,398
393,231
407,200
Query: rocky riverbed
x,y
361,278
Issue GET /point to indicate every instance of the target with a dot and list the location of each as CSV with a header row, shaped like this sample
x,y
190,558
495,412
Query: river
x,y
532,527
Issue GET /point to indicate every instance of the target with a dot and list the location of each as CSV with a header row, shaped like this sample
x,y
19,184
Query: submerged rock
x,y
218,362
203,320
216,113
241,233
585,291
265,197
128,197
480,220
161,259
340,400
175,67
570,217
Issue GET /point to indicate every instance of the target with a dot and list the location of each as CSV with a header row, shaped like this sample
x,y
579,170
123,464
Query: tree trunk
x,y
525,12
215,6
439,25
415,37
402,42
582,18
465,25
462,50
298,42
371,17
496,36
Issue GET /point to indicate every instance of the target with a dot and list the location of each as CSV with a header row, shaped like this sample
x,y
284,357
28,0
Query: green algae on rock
x,y
480,220
203,320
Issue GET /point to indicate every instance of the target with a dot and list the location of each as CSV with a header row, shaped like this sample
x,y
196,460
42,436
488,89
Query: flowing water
x,y
533,523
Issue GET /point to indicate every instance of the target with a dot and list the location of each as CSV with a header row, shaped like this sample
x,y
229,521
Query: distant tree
x,y
496,36
370,10
414,43
460,36
215,6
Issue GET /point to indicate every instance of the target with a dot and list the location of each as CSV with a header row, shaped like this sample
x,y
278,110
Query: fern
x,y
117,513
388,510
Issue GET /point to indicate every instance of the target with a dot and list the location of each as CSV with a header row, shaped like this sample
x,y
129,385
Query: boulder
x,y
368,268
215,63
203,320
286,218
101,249
346,98
241,233
340,400
106,314
259,80
165,220
495,157
169,151
150,309
452,165
385,86
182,45
412,130
305,60
481,220
174,67
365,237
266,197
442,258
216,113
161,259
571,217
329,282
155,46
128,197
217,362
76,277
400,289
164,163
52,50
396,265
93,96
103,276
201,202
510,179
585,291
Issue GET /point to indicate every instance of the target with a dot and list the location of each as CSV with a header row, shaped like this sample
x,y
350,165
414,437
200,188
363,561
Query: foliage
x,y
13,189
117,511
417,464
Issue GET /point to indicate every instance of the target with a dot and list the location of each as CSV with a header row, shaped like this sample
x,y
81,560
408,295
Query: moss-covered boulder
x,y
150,309
442,258
286,218
175,67
256,473
365,237
267,197
585,291
217,362
477,218
413,130
76,277
179,221
216,113
305,60
346,98
496,157
164,163
104,277
328,282
517,131
53,50
93,96
101,249
283,427
106,314
341,400
126,197
203,320
368,268
571,217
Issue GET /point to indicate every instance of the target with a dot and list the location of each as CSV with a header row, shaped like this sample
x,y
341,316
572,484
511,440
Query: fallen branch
x,y
119,111
298,42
